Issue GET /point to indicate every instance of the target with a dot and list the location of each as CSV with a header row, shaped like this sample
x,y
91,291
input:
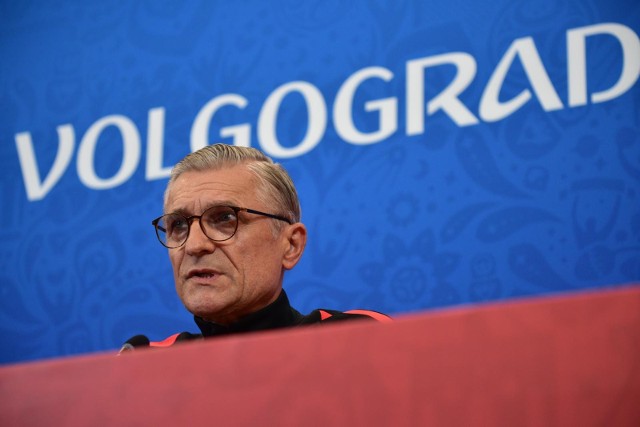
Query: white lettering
x,y
241,134
385,110
491,109
317,120
87,152
155,146
343,109
577,62
37,189
447,100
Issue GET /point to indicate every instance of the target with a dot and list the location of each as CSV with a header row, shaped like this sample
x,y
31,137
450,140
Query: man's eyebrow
x,y
188,212
180,211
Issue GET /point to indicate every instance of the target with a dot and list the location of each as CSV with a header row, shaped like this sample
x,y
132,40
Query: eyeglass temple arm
x,y
155,224
281,218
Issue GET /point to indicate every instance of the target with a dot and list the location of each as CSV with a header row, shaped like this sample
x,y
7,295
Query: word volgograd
x,y
447,101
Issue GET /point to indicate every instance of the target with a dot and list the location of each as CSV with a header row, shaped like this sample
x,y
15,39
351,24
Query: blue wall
x,y
445,152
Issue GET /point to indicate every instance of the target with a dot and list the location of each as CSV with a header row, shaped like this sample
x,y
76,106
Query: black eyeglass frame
x,y
190,219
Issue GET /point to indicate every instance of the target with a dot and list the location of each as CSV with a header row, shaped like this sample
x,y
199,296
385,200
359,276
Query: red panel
x,y
562,361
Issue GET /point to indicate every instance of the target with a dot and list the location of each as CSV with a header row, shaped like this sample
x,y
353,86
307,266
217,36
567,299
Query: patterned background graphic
x,y
542,200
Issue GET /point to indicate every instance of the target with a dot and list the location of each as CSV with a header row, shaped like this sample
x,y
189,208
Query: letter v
x,y
37,189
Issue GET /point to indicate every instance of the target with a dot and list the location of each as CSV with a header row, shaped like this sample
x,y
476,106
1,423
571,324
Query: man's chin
x,y
209,308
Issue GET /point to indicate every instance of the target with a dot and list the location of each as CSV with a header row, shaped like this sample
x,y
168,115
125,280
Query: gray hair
x,y
274,183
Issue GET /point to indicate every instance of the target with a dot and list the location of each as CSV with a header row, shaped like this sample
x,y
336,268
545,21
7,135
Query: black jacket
x,y
278,314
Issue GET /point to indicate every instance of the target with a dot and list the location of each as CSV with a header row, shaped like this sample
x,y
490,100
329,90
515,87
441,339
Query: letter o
x,y
87,151
317,123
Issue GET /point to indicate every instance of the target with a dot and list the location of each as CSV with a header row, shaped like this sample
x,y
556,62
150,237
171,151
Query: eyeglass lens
x,y
218,223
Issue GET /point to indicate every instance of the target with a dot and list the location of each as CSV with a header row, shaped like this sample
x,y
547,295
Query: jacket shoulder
x,y
171,340
140,341
325,315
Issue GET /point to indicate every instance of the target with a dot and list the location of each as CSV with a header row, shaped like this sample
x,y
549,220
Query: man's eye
x,y
223,217
176,225
220,217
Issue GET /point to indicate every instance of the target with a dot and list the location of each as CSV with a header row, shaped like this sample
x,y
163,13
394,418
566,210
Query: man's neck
x,y
278,314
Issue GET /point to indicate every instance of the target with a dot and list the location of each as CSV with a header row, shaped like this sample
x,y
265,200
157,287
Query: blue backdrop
x,y
445,152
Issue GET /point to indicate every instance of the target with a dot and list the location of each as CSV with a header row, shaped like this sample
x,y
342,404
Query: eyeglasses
x,y
218,223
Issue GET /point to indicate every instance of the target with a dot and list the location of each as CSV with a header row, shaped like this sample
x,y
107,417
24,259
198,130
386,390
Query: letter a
x,y
492,109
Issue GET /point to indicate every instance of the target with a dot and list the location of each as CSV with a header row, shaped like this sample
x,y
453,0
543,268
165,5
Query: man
x,y
232,228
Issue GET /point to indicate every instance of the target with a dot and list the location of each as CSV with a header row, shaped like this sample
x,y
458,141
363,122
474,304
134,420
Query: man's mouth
x,y
202,274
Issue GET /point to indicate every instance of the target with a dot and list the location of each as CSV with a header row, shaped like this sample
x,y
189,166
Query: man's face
x,y
224,281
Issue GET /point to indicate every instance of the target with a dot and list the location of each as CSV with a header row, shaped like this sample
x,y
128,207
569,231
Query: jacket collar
x,y
278,314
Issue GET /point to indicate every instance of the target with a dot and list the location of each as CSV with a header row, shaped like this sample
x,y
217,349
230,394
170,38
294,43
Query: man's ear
x,y
296,235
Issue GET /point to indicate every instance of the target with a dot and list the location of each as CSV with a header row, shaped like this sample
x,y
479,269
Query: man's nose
x,y
197,242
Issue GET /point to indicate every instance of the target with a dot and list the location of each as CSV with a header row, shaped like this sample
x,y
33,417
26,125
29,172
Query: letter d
x,y
576,52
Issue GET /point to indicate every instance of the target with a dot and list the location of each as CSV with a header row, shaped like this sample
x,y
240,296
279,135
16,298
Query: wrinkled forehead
x,y
235,184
